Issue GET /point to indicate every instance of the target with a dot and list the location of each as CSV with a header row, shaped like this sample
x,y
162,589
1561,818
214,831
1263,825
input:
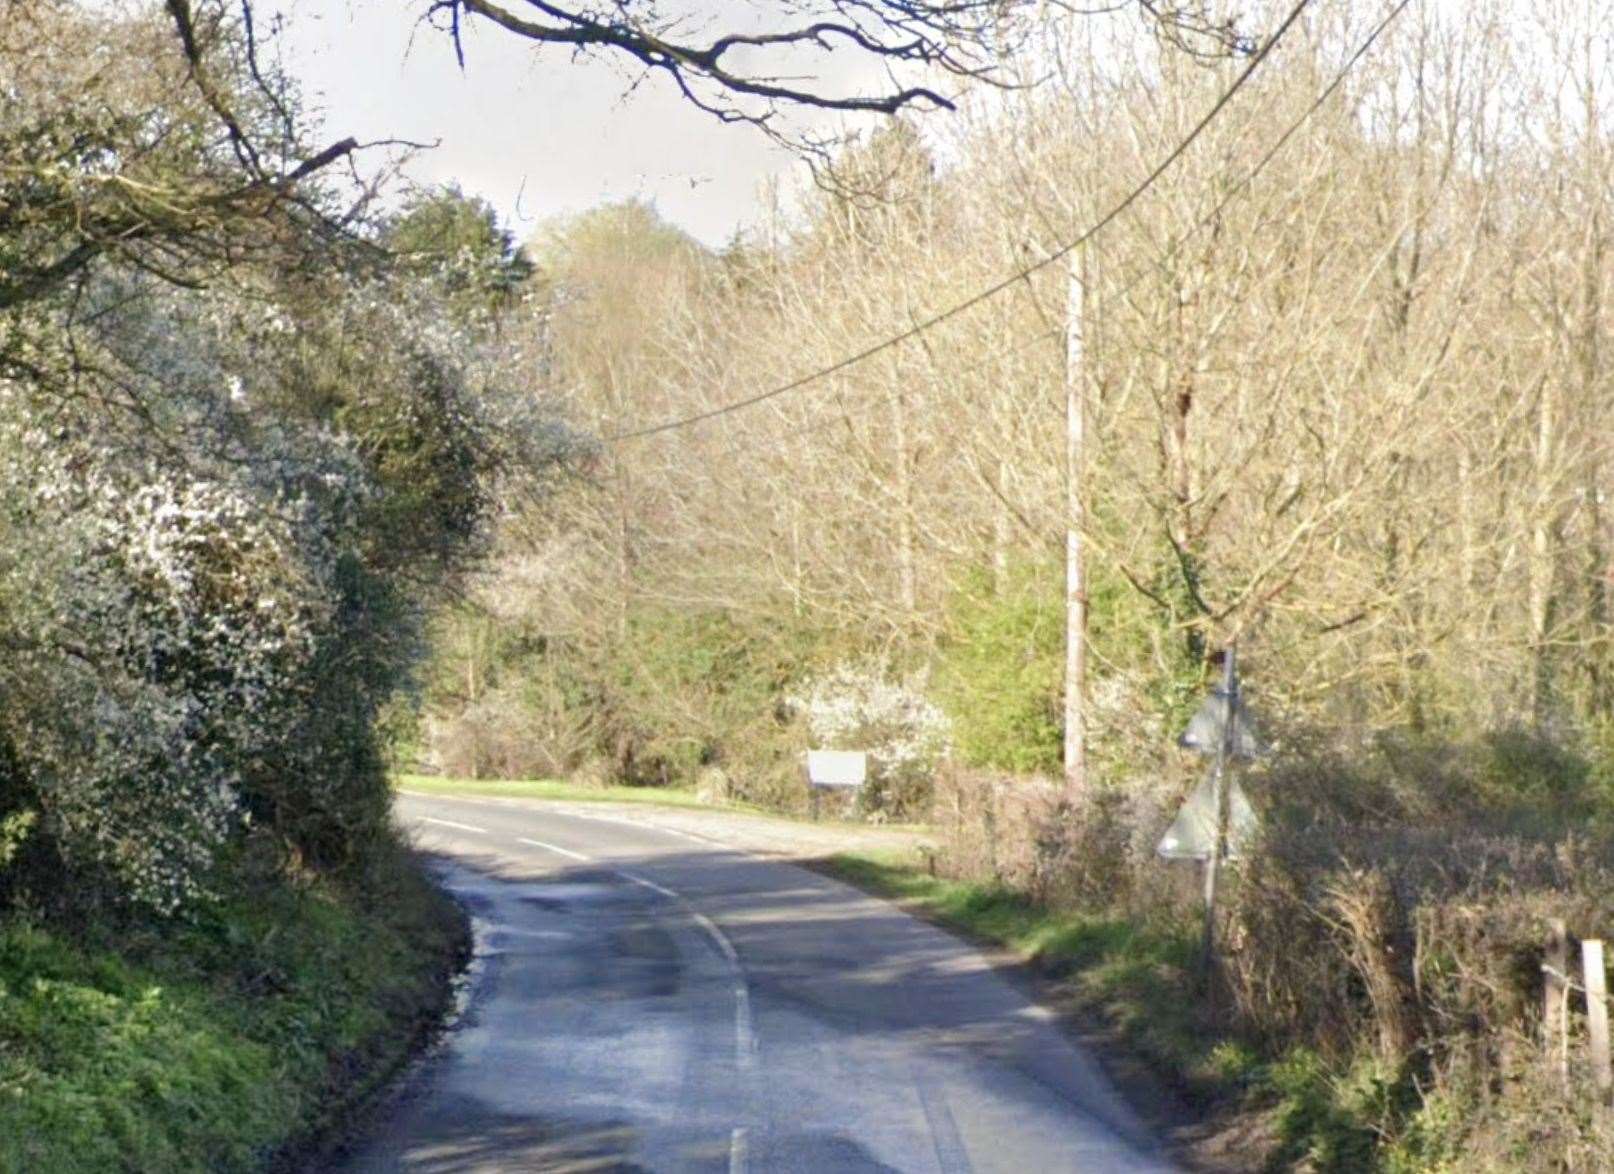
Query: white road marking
x,y
449,823
517,802
745,1037
649,884
737,1151
650,825
555,848
719,938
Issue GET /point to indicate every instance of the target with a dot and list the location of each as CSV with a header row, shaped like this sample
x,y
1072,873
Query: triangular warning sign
x,y
1192,835
1204,732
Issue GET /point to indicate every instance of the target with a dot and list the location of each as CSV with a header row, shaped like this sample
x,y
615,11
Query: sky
x,y
533,131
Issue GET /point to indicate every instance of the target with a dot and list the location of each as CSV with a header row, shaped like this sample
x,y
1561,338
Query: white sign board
x,y
837,768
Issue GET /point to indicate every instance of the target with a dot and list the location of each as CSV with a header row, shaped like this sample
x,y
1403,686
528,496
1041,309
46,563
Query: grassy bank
x,y
232,1042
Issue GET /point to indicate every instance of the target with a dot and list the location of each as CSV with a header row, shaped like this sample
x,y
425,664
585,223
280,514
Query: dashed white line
x,y
449,823
555,848
737,1151
745,1036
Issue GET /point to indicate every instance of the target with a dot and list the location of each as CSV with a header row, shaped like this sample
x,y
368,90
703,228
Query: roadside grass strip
x,y
234,1042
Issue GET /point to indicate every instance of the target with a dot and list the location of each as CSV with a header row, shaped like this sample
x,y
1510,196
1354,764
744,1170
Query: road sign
x,y
837,768
1217,816
1192,835
1206,727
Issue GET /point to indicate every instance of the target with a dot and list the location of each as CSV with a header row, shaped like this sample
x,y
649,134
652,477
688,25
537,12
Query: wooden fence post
x,y
1597,1015
1555,997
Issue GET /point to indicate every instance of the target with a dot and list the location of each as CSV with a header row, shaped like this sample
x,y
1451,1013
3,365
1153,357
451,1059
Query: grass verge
x,y
233,1042
549,789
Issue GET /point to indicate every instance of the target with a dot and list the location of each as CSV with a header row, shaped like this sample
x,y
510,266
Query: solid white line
x,y
737,1148
555,848
449,823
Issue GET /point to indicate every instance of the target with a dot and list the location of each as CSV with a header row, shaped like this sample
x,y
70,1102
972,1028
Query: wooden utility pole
x,y
1075,523
1555,997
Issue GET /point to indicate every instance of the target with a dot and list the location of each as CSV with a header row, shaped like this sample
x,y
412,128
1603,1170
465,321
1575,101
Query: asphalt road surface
x,y
651,1000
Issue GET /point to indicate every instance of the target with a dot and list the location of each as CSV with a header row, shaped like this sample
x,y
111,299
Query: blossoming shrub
x,y
158,620
203,612
860,707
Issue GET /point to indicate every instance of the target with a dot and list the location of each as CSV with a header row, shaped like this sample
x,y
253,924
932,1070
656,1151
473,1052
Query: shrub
x,y
1093,852
859,707
1002,672
167,619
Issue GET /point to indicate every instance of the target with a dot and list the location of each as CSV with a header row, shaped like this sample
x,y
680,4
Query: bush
x,y
859,707
1382,941
1093,852
1001,673
220,1043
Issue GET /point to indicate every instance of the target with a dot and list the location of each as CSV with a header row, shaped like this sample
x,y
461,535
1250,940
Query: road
x,y
651,999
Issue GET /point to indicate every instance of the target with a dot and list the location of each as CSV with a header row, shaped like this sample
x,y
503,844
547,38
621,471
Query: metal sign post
x,y
1216,820
1224,753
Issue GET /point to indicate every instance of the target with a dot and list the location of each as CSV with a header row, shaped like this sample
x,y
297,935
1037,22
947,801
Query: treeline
x,y
1347,381
1347,402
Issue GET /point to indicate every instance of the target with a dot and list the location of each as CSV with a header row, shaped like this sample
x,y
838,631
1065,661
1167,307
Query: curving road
x,y
649,999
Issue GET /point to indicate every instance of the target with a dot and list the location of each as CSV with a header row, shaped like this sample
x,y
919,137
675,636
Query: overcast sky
x,y
533,132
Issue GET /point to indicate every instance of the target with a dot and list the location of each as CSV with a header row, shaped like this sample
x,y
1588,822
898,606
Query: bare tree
x,y
751,74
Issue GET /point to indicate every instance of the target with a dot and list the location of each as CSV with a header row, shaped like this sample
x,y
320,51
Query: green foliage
x,y
14,829
446,234
1001,675
216,1045
675,690
1002,671
1336,1121
1510,780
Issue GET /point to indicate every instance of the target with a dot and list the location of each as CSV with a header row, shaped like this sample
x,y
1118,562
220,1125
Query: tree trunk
x,y
1075,522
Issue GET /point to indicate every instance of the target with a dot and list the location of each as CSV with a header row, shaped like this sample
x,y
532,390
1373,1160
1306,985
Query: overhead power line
x,y
1014,278
1232,193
